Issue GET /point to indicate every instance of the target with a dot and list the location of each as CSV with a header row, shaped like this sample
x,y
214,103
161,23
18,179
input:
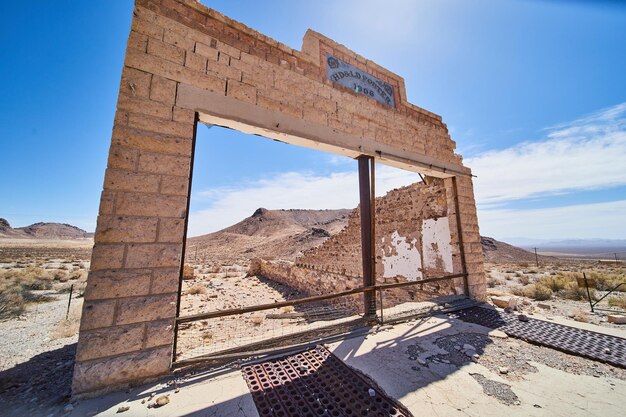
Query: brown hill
x,y
496,251
283,234
61,231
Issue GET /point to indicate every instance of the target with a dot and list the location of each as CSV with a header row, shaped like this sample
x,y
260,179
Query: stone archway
x,y
185,63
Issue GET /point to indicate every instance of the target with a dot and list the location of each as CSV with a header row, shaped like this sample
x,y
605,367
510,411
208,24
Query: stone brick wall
x,y
182,59
336,266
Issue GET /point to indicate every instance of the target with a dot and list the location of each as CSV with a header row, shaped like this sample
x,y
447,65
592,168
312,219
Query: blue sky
x,y
533,92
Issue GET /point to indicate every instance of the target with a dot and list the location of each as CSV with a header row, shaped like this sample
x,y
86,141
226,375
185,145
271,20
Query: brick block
x,y
165,280
241,91
104,256
149,308
155,65
163,90
166,127
171,185
135,83
123,180
196,62
122,158
171,230
164,164
206,51
107,202
176,38
152,142
97,314
160,333
109,372
184,115
138,41
223,71
166,51
119,229
147,28
110,341
134,204
158,255
118,283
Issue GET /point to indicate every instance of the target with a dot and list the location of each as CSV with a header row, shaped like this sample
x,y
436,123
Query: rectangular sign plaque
x,y
358,81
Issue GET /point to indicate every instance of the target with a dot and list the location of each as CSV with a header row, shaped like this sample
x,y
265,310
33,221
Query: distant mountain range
x,y
42,230
573,246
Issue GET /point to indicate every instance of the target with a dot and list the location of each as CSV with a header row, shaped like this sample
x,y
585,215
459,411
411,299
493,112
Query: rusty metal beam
x,y
459,229
366,234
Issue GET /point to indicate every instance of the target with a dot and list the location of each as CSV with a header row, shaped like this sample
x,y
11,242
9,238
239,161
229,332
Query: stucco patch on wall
x,y
436,245
401,258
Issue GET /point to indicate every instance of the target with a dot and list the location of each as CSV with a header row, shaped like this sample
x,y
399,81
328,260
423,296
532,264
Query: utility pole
x,y
615,258
536,258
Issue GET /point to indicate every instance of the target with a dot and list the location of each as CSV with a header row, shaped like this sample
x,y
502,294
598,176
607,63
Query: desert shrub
x,y
537,292
605,282
523,264
197,289
12,302
619,302
573,292
555,282
60,276
524,280
257,320
188,272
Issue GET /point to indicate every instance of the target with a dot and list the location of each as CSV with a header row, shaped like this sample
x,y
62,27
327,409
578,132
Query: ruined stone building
x,y
185,64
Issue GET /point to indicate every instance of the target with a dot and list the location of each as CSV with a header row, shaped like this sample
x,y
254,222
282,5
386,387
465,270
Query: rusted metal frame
x,y
373,205
183,255
352,328
459,229
422,281
260,307
365,206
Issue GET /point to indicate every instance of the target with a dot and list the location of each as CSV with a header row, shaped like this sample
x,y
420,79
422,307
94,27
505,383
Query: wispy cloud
x,y
302,190
582,221
585,154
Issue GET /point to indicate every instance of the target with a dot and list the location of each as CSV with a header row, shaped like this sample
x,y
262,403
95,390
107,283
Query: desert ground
x,y
38,341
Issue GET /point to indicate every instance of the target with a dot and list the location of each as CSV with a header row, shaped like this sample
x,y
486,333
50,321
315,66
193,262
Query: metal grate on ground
x,y
592,345
315,383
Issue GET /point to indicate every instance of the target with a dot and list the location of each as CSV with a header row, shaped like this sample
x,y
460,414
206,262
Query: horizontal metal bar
x,y
261,307
356,327
411,283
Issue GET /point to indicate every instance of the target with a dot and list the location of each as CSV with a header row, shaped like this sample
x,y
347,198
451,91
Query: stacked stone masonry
x,y
126,333
403,251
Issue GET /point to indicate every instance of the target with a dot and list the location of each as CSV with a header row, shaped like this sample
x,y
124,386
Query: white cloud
x,y
584,221
288,190
586,154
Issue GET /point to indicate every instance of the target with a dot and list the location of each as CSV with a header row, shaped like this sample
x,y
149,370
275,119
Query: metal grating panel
x,y
315,383
592,345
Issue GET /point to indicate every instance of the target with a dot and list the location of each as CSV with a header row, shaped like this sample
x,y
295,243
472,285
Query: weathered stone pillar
x,y
470,235
130,301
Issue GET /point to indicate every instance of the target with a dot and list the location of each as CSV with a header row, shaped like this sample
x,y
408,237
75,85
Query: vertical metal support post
x,y
373,220
184,254
366,234
460,234
588,292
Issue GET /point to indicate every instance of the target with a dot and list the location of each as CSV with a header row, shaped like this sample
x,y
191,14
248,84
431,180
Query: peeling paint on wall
x,y
401,257
436,245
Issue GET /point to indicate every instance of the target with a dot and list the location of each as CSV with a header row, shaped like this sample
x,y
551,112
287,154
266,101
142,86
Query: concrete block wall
x,y
126,332
399,211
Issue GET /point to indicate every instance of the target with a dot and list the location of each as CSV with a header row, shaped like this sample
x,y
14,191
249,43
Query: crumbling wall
x,y
414,240
184,62
414,237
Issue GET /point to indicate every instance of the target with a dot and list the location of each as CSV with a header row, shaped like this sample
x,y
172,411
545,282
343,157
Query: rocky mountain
x,y
283,234
496,251
42,230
